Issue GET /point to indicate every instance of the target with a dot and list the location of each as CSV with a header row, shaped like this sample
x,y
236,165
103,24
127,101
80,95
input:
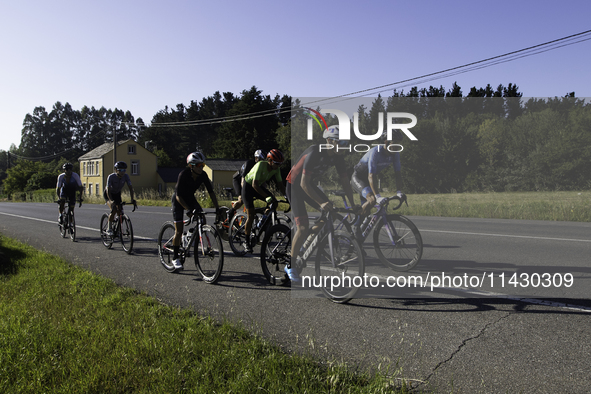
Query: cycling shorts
x,y
178,210
249,194
297,199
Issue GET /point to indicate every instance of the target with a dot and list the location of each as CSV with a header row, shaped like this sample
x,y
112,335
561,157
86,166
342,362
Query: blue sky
x,y
144,55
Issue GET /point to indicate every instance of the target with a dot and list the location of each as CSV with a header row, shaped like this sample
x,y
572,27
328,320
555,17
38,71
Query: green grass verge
x,y
563,206
66,330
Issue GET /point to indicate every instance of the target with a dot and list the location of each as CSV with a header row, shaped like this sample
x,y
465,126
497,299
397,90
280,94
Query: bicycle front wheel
x,y
276,254
237,237
72,226
107,239
209,254
165,248
398,243
126,234
340,269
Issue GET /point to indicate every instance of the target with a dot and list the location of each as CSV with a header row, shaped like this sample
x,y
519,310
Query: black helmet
x,y
68,166
121,165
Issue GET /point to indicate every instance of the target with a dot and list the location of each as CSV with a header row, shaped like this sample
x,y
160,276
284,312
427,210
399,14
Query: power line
x,y
504,58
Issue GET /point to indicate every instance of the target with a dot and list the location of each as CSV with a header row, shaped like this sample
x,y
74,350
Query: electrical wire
x,y
492,61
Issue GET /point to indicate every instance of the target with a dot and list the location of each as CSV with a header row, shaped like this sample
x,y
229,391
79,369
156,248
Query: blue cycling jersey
x,y
377,159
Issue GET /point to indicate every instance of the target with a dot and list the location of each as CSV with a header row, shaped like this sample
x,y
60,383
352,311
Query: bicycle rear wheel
x,y
165,248
107,239
209,254
276,254
72,226
236,236
398,243
340,280
126,234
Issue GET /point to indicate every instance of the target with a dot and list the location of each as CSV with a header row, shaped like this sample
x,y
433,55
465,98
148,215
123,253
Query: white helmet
x,y
195,158
259,154
331,132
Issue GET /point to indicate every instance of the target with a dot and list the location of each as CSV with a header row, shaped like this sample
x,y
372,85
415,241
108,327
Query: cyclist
x,y
68,183
112,193
262,172
238,179
365,173
302,187
183,198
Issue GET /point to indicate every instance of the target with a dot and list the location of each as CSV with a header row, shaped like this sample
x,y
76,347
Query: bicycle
x,y
265,218
396,239
121,229
68,224
209,247
337,254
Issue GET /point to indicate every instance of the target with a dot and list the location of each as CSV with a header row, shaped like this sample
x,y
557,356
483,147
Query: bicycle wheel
x,y
165,248
276,254
236,237
107,239
209,254
126,234
341,280
63,226
398,243
72,226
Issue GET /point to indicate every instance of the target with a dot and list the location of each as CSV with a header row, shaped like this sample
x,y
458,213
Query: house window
x,y
90,189
131,149
84,168
135,167
97,167
97,189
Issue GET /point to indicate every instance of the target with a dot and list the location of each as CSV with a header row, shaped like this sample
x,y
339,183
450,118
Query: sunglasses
x,y
199,165
121,170
338,142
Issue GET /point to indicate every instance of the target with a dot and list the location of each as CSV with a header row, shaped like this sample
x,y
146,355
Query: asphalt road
x,y
472,336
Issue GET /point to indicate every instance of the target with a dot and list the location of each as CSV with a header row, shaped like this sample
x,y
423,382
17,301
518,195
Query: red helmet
x,y
276,156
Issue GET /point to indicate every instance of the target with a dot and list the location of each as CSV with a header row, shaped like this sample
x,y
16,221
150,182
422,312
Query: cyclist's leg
x,y
177,218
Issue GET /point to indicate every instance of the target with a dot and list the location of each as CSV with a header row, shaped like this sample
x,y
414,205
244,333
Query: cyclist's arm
x,y
346,184
182,201
373,183
259,189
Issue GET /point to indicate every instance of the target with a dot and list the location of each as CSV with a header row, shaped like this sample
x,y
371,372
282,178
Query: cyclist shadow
x,y
8,256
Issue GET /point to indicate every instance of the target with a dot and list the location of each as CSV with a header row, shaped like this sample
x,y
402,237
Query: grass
x,y
65,330
562,206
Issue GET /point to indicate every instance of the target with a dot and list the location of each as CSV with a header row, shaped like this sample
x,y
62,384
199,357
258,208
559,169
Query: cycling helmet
x,y
276,156
396,135
259,154
121,165
195,158
68,166
331,132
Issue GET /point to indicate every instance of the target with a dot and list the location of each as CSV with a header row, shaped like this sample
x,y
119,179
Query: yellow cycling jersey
x,y
262,173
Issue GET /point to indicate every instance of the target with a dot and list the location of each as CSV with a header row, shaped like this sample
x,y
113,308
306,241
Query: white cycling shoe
x,y
177,264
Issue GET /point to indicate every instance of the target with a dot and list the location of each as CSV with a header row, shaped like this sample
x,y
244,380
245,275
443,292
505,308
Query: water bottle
x,y
260,223
185,240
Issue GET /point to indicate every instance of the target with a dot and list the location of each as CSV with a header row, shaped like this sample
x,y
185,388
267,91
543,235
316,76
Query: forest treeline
x,y
488,140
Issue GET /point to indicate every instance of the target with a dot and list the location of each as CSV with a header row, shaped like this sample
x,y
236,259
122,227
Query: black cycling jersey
x,y
186,186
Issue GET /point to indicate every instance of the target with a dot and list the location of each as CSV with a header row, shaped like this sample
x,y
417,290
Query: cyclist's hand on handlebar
x,y
381,200
326,206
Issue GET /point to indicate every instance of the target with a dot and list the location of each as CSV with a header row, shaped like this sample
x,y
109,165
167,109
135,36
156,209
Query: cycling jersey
x,y
69,187
186,186
377,159
116,183
315,163
262,173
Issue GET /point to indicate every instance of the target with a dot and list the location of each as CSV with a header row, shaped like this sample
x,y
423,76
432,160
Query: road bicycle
x,y
396,239
208,253
121,228
68,224
265,218
337,254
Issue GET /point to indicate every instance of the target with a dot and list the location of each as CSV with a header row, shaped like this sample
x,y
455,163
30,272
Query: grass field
x,y
66,330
